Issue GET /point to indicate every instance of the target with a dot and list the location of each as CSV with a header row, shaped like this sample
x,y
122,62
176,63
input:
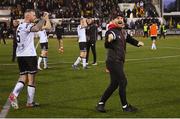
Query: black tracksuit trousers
x,y
93,49
118,80
3,38
14,51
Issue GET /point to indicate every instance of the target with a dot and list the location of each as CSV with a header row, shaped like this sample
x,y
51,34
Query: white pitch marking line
x,y
166,47
127,60
5,109
171,48
162,57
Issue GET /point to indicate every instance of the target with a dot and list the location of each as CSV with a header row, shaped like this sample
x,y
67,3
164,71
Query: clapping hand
x,y
140,44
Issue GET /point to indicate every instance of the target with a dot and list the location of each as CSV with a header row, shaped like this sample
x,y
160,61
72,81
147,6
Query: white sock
x,y
77,61
124,106
45,62
39,60
30,93
17,89
153,46
84,62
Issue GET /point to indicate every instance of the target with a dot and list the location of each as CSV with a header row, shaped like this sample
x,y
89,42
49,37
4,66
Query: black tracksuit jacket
x,y
117,47
91,33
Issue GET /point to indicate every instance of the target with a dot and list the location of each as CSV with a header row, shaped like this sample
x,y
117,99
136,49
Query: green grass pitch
x,y
153,82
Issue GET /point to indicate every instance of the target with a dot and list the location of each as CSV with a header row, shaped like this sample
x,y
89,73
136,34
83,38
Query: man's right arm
x,y
108,40
41,23
38,26
111,36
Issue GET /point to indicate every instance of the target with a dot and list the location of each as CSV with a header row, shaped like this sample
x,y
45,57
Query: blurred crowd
x,y
100,9
138,24
56,8
76,8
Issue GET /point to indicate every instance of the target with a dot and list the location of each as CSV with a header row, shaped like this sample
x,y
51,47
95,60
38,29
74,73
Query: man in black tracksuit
x,y
115,42
2,34
15,25
59,30
91,33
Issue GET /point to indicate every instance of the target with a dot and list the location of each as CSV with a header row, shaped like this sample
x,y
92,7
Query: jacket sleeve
x,y
132,40
95,32
109,44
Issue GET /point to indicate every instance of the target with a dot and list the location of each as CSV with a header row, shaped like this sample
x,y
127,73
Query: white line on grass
x,y
154,58
165,47
162,57
127,60
5,109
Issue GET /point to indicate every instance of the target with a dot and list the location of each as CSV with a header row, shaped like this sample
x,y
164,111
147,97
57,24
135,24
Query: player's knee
x,y
44,53
31,82
23,78
82,55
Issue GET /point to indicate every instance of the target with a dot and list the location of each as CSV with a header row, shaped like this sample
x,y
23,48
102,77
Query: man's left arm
x,y
133,41
47,25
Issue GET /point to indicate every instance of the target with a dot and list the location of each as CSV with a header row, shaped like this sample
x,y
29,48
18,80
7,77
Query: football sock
x,y
45,62
77,61
39,60
19,86
84,62
30,93
153,46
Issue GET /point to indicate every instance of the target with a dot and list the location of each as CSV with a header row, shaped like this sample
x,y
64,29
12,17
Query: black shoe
x,y
100,108
130,108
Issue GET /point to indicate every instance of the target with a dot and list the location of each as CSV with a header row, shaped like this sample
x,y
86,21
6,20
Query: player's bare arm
x,y
40,24
47,25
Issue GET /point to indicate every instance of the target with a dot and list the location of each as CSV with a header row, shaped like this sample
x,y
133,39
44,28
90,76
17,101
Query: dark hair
x,y
115,14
